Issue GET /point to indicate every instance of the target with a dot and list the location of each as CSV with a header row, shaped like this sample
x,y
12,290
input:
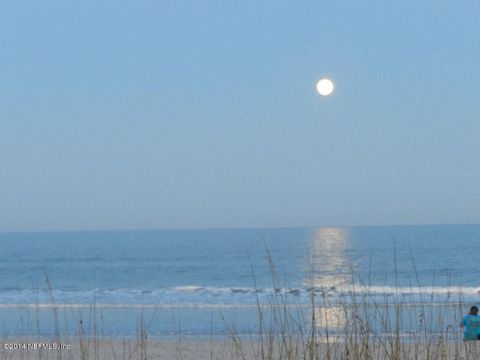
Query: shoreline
x,y
229,348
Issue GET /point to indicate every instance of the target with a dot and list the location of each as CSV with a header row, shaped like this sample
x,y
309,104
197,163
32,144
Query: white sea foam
x,y
195,295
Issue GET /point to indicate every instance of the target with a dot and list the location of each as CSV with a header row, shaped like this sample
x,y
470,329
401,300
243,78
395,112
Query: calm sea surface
x,y
198,281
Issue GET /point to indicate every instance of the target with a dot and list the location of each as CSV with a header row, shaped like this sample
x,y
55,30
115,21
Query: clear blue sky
x,y
172,114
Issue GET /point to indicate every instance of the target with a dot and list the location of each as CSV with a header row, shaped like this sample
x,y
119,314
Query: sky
x,y
204,114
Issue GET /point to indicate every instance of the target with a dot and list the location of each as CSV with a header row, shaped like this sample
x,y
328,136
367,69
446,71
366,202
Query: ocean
x,y
203,282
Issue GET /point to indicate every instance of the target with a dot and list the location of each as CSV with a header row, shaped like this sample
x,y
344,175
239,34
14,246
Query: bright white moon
x,y
325,87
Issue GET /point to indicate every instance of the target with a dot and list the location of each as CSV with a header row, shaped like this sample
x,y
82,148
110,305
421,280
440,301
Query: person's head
x,y
474,310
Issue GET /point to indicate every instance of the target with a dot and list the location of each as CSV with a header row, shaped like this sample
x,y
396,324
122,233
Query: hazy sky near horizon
x,y
171,114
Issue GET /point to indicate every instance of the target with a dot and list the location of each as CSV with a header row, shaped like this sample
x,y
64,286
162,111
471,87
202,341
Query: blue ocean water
x,y
198,281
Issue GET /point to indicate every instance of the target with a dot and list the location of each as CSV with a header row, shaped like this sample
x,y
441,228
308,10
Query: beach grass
x,y
357,325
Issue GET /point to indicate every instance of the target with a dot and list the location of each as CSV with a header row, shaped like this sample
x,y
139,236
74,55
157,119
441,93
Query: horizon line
x,y
110,230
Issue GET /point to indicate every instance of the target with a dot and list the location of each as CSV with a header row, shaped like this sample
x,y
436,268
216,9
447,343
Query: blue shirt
x,y
472,327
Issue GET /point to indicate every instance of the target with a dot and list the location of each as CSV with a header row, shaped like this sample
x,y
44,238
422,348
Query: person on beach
x,y
471,323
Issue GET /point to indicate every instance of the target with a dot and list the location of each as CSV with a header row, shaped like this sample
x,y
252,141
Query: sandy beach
x,y
128,348
224,349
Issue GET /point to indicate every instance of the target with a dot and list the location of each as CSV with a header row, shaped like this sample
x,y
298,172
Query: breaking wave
x,y
204,296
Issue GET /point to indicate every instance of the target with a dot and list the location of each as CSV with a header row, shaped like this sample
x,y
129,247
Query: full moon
x,y
325,87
